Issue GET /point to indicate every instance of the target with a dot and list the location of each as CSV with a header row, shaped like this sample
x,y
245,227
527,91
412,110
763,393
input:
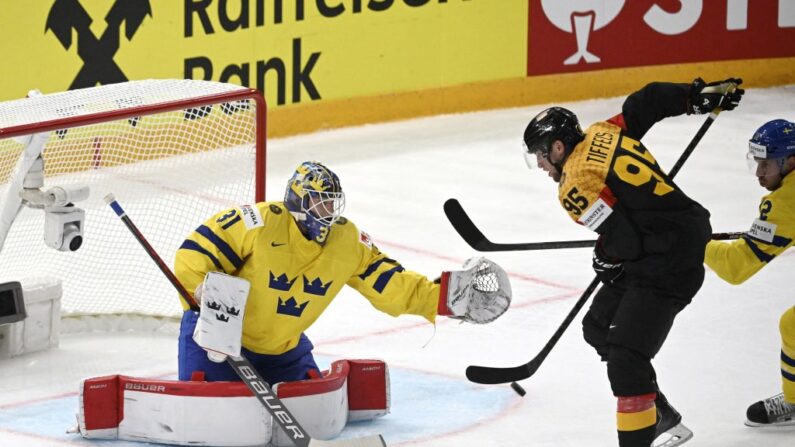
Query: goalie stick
x,y
472,235
494,375
242,367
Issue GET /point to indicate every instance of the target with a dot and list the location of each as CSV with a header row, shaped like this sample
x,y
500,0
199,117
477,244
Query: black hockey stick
x,y
495,375
472,235
242,367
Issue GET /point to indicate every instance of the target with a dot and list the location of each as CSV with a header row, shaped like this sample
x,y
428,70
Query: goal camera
x,y
63,227
64,222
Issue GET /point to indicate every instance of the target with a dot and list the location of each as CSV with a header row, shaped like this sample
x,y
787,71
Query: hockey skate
x,y
670,430
771,412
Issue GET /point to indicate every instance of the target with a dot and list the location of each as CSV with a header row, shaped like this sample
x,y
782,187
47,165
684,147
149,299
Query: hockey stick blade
x,y
488,375
476,239
468,231
464,226
493,376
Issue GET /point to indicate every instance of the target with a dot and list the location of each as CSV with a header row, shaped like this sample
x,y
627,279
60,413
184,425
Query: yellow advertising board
x,y
330,63
296,51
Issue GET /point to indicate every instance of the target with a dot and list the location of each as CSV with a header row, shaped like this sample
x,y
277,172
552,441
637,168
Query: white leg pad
x,y
319,405
225,413
351,390
172,412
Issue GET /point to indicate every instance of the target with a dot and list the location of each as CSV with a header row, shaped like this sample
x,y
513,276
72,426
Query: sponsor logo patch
x,y
251,216
763,230
145,387
757,150
364,238
596,214
69,19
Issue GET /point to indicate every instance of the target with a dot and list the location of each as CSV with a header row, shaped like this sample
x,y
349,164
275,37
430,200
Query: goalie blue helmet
x,y
314,197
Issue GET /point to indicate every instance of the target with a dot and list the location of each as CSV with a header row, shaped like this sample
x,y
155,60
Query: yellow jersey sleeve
x,y
391,288
221,243
770,235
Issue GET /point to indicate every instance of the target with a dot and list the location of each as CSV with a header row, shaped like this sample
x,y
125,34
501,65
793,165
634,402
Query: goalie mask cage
x,y
174,152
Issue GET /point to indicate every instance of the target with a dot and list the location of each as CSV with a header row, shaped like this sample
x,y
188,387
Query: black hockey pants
x,y
628,322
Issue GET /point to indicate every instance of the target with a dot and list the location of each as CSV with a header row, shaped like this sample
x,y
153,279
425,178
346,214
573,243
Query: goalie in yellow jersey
x,y
297,255
771,155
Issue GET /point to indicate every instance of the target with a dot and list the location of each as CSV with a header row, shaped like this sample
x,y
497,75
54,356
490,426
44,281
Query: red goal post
x,y
174,151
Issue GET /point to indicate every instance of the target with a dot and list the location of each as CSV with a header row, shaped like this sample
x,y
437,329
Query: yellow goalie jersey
x,y
293,279
770,235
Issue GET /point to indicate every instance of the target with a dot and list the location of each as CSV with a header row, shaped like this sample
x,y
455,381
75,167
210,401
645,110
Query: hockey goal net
x,y
173,152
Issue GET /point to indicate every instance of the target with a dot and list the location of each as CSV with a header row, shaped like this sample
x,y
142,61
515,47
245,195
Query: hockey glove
x,y
479,293
607,270
704,98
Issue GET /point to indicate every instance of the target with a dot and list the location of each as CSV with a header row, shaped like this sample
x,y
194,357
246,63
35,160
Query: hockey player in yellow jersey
x,y
772,157
650,250
297,255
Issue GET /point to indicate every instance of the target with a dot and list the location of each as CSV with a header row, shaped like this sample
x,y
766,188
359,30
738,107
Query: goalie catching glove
x,y
479,293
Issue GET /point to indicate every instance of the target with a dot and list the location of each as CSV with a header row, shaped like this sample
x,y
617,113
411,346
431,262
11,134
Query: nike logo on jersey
x,y
277,244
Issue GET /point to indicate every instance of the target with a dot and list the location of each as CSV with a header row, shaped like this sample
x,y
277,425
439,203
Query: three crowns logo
x,y
213,305
316,287
96,52
280,283
291,307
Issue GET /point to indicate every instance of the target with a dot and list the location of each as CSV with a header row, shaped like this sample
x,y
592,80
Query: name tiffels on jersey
x,y
251,216
763,230
601,143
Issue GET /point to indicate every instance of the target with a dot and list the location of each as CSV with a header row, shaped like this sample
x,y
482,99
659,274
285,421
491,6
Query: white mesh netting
x,y
170,171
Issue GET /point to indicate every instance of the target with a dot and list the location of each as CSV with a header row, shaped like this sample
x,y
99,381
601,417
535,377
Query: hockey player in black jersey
x,y
650,250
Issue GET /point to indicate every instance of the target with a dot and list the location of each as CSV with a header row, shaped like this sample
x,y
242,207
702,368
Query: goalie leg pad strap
x,y
172,412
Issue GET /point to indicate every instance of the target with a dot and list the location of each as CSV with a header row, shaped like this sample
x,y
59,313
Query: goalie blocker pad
x,y
225,413
220,326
